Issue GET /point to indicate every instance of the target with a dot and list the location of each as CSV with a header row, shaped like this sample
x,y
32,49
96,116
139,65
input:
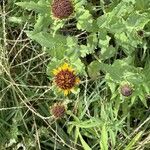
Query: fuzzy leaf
x,y
47,40
39,7
93,69
43,21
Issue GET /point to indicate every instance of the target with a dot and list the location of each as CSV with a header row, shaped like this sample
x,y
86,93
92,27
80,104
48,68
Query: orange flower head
x,y
65,78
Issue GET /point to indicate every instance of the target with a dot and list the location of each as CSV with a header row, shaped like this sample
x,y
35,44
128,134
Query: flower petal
x,y
66,92
77,80
55,71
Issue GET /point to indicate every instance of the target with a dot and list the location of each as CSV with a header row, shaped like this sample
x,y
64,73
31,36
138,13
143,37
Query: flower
x,y
65,78
126,90
58,110
62,9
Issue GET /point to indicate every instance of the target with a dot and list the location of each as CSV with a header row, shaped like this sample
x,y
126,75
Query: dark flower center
x,y
65,79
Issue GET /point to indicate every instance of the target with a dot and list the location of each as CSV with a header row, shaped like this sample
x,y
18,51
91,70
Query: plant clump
x,y
62,9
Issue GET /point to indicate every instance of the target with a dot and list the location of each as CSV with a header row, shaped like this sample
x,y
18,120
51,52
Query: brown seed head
x,y
58,110
62,9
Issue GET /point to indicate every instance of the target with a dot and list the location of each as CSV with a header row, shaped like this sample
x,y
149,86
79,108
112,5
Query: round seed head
x,y
58,110
126,90
62,9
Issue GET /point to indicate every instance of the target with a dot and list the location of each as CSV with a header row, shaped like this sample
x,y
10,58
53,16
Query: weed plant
x,y
75,74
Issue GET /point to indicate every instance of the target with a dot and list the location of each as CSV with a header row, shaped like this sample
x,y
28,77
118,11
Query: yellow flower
x,y
65,78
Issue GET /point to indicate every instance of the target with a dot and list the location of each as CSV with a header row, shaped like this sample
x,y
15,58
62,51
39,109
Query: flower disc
x,y
65,78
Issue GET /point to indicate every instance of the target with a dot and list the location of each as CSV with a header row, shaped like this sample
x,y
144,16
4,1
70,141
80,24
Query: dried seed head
x,y
62,9
126,90
58,110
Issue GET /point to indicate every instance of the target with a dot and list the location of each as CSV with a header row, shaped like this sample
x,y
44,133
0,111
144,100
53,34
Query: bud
x,y
126,90
62,9
58,110
140,33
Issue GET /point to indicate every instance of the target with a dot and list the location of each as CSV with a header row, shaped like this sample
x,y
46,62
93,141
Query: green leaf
x,y
43,21
143,99
142,5
85,20
107,52
76,134
78,65
79,3
111,84
92,41
112,137
72,41
133,141
146,87
93,69
137,21
56,25
90,47
52,65
41,6
104,138
47,40
56,46
115,16
18,20
85,50
84,144
58,52
122,70
87,124
124,21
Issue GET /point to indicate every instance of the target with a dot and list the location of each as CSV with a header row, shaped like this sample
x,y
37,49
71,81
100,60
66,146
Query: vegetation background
x,y
98,117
